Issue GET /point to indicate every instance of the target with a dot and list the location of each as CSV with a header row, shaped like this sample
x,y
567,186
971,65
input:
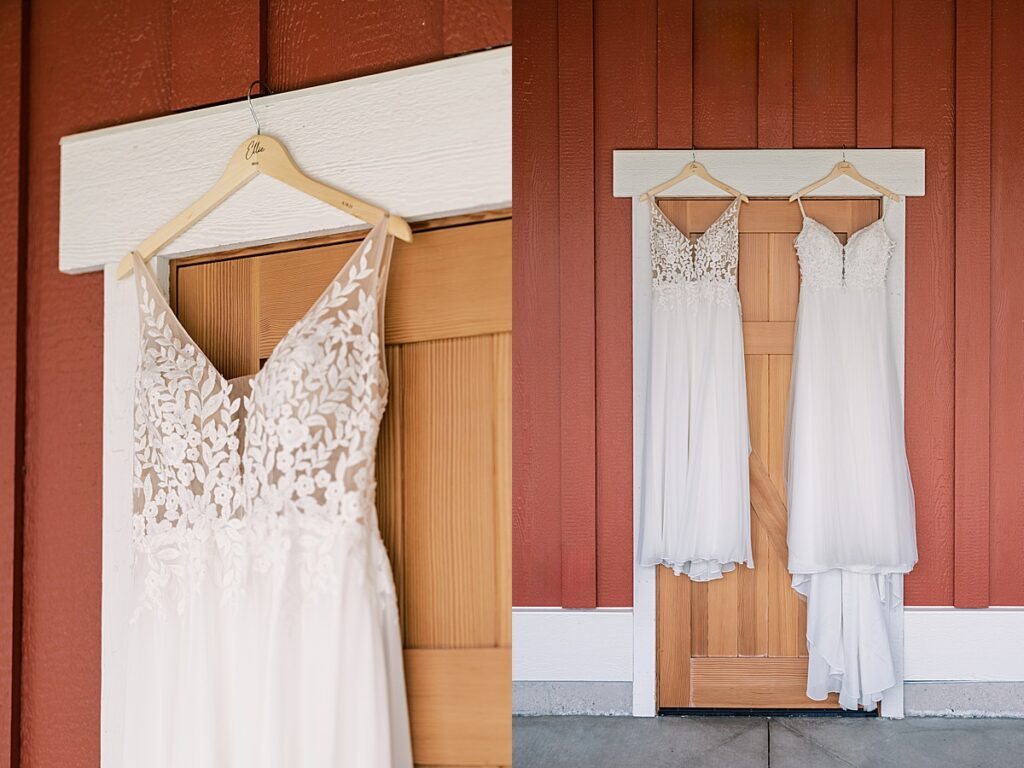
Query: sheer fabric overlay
x,y
265,626
695,507
851,503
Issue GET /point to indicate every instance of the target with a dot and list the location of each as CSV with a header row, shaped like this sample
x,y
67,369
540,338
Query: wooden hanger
x,y
845,168
693,168
261,154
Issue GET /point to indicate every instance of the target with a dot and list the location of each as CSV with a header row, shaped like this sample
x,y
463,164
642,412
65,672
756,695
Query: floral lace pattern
x,y
826,263
233,477
703,269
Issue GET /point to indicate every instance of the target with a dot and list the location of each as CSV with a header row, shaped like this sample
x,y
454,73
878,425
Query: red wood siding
x,y
146,59
774,73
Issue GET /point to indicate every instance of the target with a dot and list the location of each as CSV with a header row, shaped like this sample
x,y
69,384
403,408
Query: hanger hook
x,y
248,98
844,153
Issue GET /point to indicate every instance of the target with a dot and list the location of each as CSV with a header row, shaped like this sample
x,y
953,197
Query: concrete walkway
x,y
779,742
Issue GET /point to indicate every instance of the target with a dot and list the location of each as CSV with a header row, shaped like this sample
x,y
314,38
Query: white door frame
x,y
425,142
758,173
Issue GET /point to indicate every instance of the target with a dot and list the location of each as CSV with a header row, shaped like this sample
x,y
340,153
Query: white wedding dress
x,y
265,630
851,504
695,507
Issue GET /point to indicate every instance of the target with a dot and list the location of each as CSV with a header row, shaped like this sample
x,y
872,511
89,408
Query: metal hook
x,y
844,153
248,98
693,155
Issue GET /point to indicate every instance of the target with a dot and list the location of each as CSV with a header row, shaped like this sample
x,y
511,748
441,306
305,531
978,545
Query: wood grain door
x,y
738,642
444,484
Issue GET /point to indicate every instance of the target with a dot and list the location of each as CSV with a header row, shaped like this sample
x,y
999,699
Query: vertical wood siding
x,y
769,73
143,60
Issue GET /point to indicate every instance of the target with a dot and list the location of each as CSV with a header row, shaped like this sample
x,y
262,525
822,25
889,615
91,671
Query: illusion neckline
x,y
225,382
692,244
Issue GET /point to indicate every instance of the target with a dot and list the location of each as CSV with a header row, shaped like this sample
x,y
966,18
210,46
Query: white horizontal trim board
x,y
984,644
425,142
768,172
757,173
556,644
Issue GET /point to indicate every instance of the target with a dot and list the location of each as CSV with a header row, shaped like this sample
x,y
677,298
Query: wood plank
x,y
536,395
209,66
675,73
775,74
783,602
390,479
448,415
723,618
753,589
825,73
699,618
625,113
768,338
673,638
784,278
756,367
459,702
757,683
14,47
972,312
725,58
302,39
752,277
449,283
472,25
502,345
218,304
576,303
1007,431
753,595
923,112
769,507
874,73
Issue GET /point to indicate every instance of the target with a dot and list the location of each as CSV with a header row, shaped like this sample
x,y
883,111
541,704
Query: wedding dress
x,y
695,508
851,503
265,629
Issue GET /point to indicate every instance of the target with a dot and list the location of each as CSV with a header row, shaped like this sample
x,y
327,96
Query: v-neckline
x,y
226,383
692,244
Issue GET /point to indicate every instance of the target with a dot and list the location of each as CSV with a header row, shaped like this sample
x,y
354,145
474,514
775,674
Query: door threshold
x,y
761,712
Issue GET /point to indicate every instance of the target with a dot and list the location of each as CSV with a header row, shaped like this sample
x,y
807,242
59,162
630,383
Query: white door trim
x,y
428,141
758,173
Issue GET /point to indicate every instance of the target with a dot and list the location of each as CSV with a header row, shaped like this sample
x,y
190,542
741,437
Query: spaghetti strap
x,y
801,204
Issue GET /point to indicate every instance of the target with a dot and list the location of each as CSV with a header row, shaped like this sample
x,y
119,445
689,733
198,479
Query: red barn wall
x,y
69,67
592,76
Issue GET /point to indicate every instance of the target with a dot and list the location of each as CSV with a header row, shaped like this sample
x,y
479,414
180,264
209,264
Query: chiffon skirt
x,y
695,509
279,676
851,503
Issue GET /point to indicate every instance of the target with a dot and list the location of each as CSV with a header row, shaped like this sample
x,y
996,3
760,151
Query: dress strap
x,y
885,206
800,202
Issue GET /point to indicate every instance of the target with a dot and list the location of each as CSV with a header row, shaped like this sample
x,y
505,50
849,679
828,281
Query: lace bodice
x,y
825,262
233,476
704,267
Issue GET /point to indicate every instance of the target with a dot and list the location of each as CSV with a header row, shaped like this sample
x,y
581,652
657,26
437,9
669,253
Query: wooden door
x,y
738,642
444,464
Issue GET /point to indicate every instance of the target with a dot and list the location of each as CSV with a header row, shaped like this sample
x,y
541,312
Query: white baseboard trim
x,y
940,644
556,644
960,644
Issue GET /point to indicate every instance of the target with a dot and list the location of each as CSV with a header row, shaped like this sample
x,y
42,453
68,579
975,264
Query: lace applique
x,y
684,271
825,262
304,477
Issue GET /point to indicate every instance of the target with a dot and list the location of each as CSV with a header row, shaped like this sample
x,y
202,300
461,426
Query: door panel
x,y
443,461
738,642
